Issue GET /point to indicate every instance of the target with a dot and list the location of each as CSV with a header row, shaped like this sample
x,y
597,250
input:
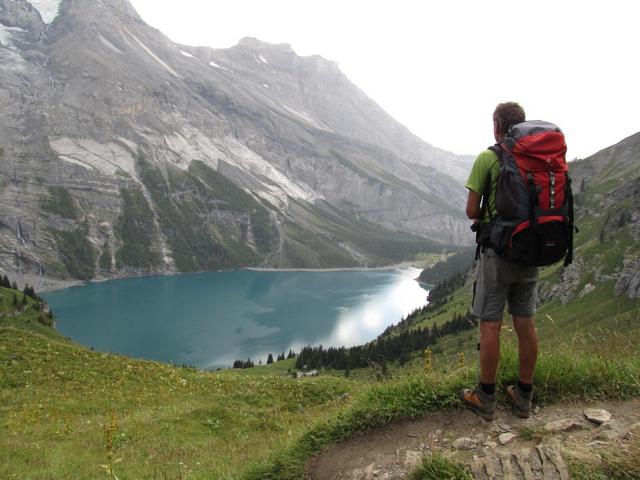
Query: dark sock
x,y
525,387
488,388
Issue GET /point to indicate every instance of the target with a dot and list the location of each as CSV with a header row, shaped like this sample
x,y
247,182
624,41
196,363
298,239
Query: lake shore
x,y
43,284
396,266
50,284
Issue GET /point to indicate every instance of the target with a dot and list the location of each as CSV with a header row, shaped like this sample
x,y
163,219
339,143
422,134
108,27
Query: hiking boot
x,y
479,402
520,400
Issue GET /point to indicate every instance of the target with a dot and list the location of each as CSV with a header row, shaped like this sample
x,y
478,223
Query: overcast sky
x,y
441,67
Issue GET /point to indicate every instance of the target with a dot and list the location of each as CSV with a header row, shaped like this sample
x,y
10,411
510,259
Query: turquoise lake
x,y
211,319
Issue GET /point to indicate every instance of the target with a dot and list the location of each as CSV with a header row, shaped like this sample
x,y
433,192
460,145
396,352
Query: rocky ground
x,y
506,448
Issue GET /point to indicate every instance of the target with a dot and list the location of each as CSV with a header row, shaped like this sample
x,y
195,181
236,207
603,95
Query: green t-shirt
x,y
485,168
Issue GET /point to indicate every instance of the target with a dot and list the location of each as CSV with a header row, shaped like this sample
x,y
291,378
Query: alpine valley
x,y
124,153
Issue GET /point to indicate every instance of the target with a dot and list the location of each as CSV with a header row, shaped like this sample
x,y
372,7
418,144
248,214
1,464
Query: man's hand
x,y
473,205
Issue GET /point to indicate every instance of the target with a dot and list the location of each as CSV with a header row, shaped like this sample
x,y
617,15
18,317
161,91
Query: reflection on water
x,y
367,320
211,319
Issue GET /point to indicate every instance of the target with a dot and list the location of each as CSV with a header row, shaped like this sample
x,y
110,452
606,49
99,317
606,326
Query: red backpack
x,y
534,202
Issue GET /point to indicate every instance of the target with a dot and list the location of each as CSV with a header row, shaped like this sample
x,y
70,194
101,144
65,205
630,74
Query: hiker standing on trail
x,y
521,203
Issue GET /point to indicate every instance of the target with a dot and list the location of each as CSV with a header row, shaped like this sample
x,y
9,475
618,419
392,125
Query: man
x,y
497,282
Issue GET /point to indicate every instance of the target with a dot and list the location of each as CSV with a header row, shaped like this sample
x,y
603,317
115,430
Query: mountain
x,y
124,153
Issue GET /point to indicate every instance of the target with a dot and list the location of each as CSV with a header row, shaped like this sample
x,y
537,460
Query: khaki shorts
x,y
499,281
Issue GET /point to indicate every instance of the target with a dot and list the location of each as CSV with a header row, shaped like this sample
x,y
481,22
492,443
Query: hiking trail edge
x,y
507,448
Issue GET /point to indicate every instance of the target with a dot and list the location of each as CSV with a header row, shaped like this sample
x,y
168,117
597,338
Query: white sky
x,y
440,67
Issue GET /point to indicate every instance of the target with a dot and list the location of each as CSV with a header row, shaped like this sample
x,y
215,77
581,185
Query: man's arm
x,y
473,205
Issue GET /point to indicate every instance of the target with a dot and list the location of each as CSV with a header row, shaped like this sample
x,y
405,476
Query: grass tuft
x,y
439,467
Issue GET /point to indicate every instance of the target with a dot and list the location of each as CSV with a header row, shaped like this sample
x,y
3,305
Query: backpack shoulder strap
x,y
482,232
496,149
487,188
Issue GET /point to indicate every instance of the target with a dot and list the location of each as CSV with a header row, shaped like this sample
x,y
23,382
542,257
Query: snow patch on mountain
x,y
186,54
215,65
48,9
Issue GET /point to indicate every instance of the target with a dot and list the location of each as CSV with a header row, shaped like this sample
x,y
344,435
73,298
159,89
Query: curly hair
x,y
508,114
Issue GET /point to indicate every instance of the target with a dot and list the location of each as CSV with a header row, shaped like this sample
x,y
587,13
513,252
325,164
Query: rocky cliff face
x,y
124,153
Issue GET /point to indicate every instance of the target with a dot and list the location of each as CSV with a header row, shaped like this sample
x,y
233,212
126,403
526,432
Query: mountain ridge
x,y
96,102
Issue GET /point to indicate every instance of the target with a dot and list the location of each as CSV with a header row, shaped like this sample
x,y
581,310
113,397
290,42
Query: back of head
x,y
507,114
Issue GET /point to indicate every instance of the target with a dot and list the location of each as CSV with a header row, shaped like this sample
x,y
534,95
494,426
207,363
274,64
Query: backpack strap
x,y
487,188
569,195
482,236
533,201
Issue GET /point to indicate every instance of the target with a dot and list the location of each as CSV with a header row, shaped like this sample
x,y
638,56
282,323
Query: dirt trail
x,y
392,451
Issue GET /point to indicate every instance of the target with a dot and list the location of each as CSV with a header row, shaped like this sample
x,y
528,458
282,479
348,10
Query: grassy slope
x,y
69,412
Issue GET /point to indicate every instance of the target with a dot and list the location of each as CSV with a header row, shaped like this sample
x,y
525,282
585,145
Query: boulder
x,y
610,431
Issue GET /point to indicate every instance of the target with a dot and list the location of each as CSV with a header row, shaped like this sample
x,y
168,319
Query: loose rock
x,y
610,430
464,443
504,427
597,415
563,425
505,438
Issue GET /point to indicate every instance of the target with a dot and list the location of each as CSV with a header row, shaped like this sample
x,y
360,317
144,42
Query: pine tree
x,y
269,359
30,291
